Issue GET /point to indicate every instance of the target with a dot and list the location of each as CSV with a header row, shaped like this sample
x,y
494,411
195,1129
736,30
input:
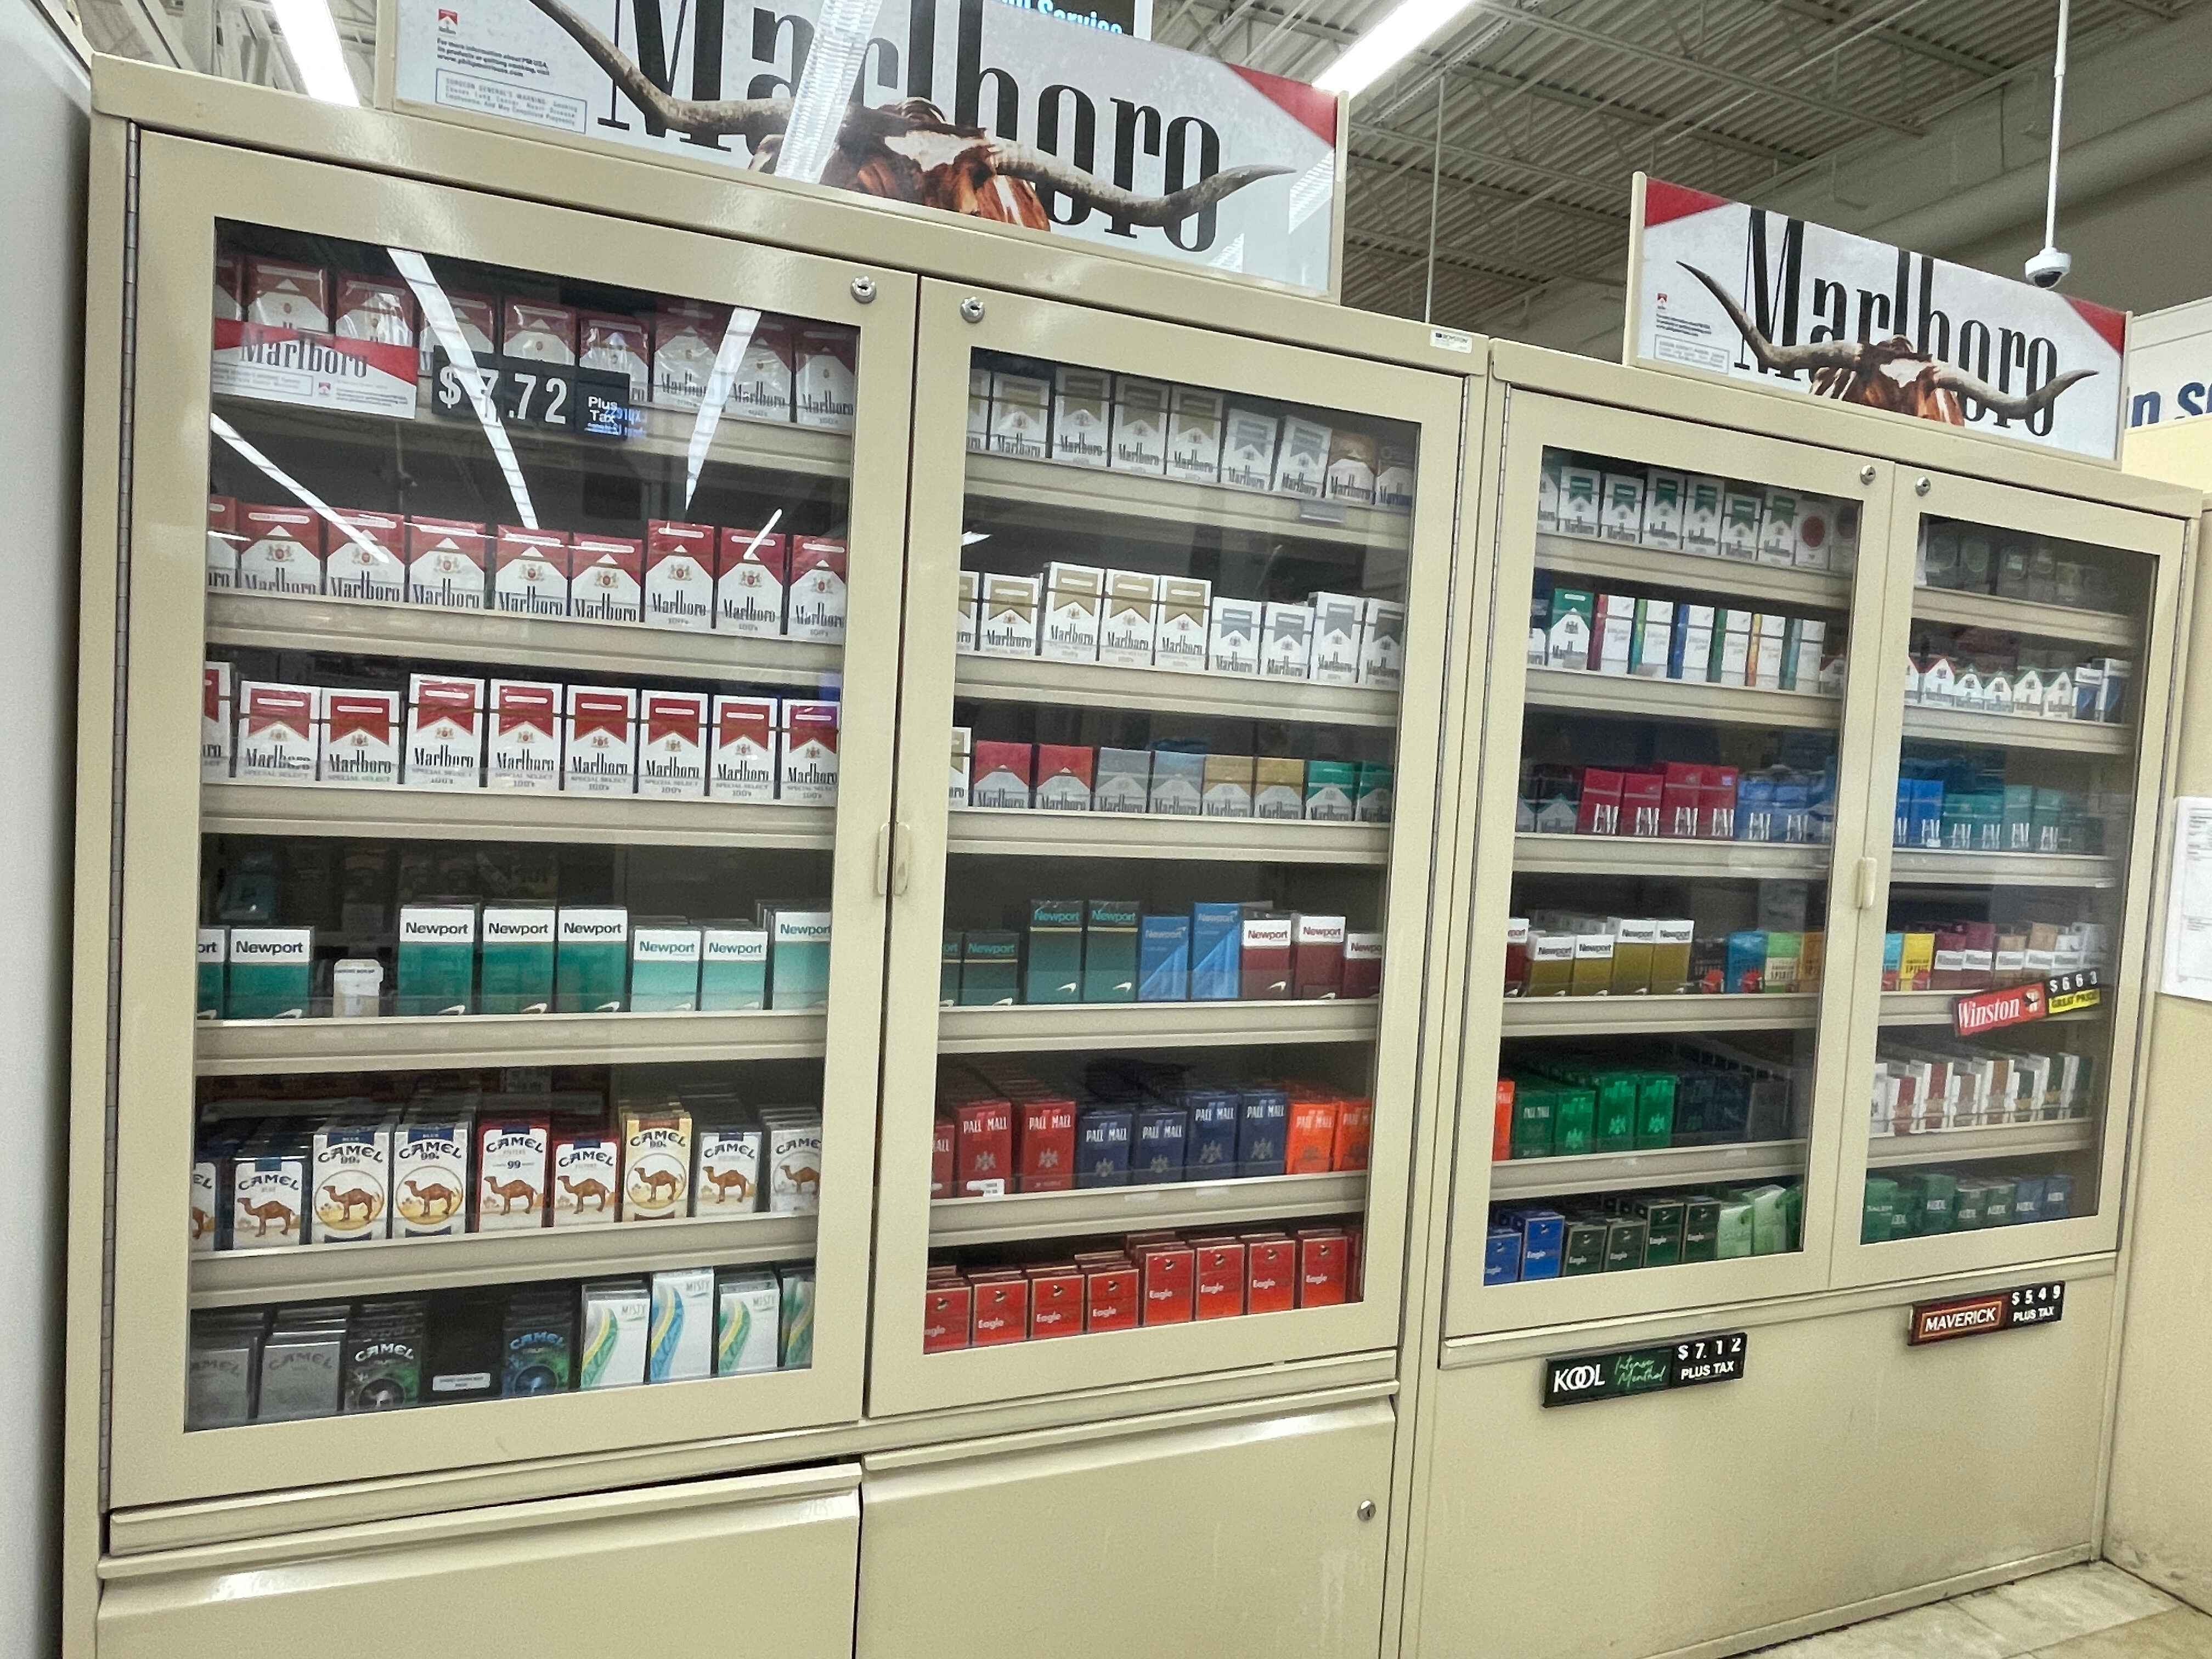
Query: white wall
x,y
43,124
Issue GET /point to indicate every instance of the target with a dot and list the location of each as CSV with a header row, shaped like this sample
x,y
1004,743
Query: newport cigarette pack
x,y
1140,426
271,973
1287,641
815,608
1302,458
1082,416
360,734
664,968
617,345
223,542
807,772
1021,415
672,744
363,556
514,959
606,576
530,572
1317,957
530,328
686,339
280,550
214,951
591,959
744,749
1109,949
1073,597
1216,933
1010,616
1194,422
522,741
276,732
732,967
798,958
1179,624
1247,448
752,569
1125,629
437,958
599,755
822,372
679,580
1233,643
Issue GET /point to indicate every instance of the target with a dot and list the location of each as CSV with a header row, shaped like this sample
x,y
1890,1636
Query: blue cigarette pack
x,y
1746,962
1216,934
2058,1197
1163,1135
1901,834
1212,1153
1501,1256
1260,1131
1102,1146
1543,1236
1927,814
1163,960
1754,808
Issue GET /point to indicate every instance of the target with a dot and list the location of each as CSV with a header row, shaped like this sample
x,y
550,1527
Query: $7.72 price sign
x,y
1686,1363
530,394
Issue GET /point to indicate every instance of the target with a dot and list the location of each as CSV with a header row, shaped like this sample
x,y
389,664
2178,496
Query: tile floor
x,y
2092,1612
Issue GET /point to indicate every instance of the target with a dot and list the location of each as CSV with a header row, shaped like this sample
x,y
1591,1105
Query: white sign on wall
x,y
2170,365
969,107
1720,288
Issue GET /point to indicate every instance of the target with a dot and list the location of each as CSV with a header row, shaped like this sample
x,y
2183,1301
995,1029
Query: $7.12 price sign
x,y
1577,1379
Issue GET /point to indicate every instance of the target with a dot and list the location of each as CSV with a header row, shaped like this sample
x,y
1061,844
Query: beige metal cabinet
x,y
693,1570
1251,1536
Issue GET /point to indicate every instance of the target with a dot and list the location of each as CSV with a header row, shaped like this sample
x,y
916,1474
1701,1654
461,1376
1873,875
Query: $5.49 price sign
x,y
1686,1363
530,394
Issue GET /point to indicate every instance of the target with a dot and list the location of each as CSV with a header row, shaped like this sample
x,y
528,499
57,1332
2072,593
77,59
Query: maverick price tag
x,y
530,394
2016,1005
2042,1304
1689,1361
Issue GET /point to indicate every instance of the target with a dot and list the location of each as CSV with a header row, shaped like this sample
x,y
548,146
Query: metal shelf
x,y
325,808
1236,696
1934,1008
1955,609
1994,1140
1138,1025
404,1043
576,645
665,433
2002,869
2017,730
1019,832
955,1221
1658,1166
1047,494
1661,567
386,1267
1779,1011
1683,857
1633,697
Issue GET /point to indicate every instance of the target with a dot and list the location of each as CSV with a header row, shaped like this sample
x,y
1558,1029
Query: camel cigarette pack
x,y
351,1186
1125,627
815,606
732,967
1021,416
1302,458
798,958
269,973
437,958
1082,416
664,968
514,959
280,550
1233,644
615,1318
751,570
680,1340
794,1164
808,747
1179,624
1621,511
513,1156
656,1164
522,738
591,959
268,1195
1339,626
529,572
1287,641
748,1323
1194,422
1383,644
744,746
728,1168
1663,501
1703,502
606,577
600,757
679,579
223,542
276,728
686,339
1179,782
1247,448
1008,627
1140,426
672,744
362,557
823,370
1073,595
429,1177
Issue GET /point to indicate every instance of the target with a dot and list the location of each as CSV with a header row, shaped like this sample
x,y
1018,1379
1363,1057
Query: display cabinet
x,y
1175,637
526,1079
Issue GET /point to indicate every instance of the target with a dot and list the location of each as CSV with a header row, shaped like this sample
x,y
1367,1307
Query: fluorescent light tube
x,y
1367,59
312,37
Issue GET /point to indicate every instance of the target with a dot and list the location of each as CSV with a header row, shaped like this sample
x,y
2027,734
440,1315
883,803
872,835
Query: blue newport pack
x,y
1216,933
1163,960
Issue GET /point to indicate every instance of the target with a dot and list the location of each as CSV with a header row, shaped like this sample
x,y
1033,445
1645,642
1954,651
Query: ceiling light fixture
x,y
312,37
1367,59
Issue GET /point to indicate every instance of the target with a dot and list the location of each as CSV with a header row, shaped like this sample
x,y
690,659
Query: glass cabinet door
x,y
1174,669
523,1091
1654,1045
2033,649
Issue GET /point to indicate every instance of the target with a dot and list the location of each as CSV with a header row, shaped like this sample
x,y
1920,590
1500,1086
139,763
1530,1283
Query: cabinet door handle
x,y
902,849
1868,884
883,861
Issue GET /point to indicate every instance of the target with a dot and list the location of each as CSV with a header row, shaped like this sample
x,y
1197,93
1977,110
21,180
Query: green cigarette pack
x,y
1109,949
1625,1238
1054,973
1769,1232
1735,1235
437,957
990,968
1583,1249
270,974
1939,1197
1574,1120
1615,1127
664,968
1997,1202
213,948
1533,1104
1701,1228
591,959
798,958
732,967
1793,1217
948,970
1332,787
1881,1204
1655,1110
514,960
1965,1205
1662,1230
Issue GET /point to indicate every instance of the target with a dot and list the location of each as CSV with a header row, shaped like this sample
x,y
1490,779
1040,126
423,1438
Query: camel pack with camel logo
x,y
728,1159
794,1158
656,1164
512,1156
268,1192
586,1175
350,1199
430,1175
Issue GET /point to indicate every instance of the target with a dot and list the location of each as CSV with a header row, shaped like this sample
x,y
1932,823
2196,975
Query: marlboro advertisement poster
x,y
967,106
321,370
1720,288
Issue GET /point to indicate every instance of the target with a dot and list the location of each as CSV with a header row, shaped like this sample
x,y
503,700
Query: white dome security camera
x,y
2048,268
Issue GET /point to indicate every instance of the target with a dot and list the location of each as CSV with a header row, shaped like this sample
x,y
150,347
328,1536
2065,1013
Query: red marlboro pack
x,y
816,604
686,339
679,579
1055,1300
606,577
286,295
986,1148
1716,815
1324,1263
1001,773
672,749
364,556
1109,1297
1002,1309
360,737
1264,959
229,285
218,724
944,1135
276,732
823,377
1599,814
600,757
382,312
281,551
808,774
620,345
444,732
524,750
476,321
1064,774
1642,796
1310,1142
760,389
947,1316
223,542
1317,957
744,749
752,569
1170,1275
1221,1278
1271,1273
545,332
1047,1144
1355,1127
447,562
1681,798
530,572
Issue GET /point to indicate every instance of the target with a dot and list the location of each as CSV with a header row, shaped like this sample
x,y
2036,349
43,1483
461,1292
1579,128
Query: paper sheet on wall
x,y
2189,902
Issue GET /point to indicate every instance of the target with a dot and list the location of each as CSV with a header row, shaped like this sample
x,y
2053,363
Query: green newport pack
x,y
590,962
270,974
732,967
1109,951
514,959
1054,973
990,968
798,958
437,957
214,951
664,968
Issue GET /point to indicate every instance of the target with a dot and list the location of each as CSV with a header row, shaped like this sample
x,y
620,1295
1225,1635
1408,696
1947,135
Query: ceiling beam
x,y
1481,263
1819,11
1480,157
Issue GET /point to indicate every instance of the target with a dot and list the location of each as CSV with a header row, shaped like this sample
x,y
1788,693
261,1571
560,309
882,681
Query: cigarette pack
x,y
1002,1309
280,550
1055,970
680,1340
437,958
824,364
1160,1146
1194,423
359,732
276,732
1353,459
1703,500
1082,416
732,967
430,1156
223,542
798,958
514,960
1178,782
969,618
350,1183
1264,954
1612,631
1163,958
1140,425
947,1315
728,1165
475,321
523,742
1110,929
1055,1300
1652,642
1339,630
983,1156
1664,501
617,345
1234,643
213,952
745,759
1302,458
1394,475
1168,1275
1383,644
1021,416
1074,597
530,572
679,583
1582,491
1815,532
600,757
1844,537
1271,1278
613,1324
591,959
1263,1120
762,389
1010,616
1227,790
269,1194
1330,786
1064,778
751,568
1741,513
1311,1139
446,564
1763,669
1363,964
269,973
816,606
664,968
286,295
1317,957
606,577
1287,641
1216,936
807,774
656,1163
1180,624
1046,1139
1122,781
1247,448
1778,536
363,556
379,311
686,339
229,304
1125,629
1620,510
748,1323
1102,1137
1279,789
514,1158
546,333
963,762
672,744
1002,774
